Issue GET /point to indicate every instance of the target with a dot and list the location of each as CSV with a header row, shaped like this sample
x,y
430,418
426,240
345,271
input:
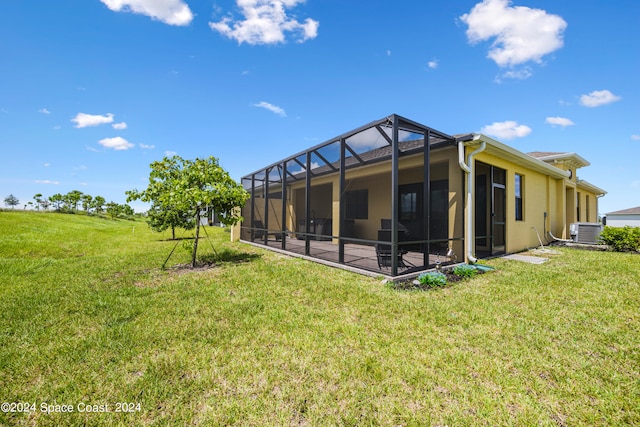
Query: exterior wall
x,y
588,202
614,220
570,208
541,194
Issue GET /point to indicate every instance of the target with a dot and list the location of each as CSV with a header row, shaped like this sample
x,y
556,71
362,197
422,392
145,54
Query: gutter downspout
x,y
468,168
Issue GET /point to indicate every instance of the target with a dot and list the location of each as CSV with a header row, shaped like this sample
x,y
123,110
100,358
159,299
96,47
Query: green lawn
x,y
87,317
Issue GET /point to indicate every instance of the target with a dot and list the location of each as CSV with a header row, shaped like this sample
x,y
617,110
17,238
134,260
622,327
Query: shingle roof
x,y
630,211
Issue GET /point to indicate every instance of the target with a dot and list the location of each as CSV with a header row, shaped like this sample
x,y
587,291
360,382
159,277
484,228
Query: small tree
x,y
38,199
113,209
56,199
98,204
187,186
12,201
86,201
72,199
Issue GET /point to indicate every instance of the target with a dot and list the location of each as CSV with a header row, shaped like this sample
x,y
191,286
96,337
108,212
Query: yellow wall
x,y
588,206
540,195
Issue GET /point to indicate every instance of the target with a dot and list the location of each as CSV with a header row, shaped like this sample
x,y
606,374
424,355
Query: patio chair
x,y
383,251
259,231
403,231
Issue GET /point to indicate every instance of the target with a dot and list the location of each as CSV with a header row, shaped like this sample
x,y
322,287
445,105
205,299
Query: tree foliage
x,y
115,210
68,203
162,219
12,201
180,189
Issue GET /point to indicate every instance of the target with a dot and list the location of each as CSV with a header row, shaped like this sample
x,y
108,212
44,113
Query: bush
x,y
433,279
625,239
465,270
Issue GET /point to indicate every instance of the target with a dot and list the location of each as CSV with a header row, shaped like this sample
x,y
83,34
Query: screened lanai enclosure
x,y
385,198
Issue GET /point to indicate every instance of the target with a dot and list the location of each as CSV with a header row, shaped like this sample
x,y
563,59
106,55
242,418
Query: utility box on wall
x,y
585,232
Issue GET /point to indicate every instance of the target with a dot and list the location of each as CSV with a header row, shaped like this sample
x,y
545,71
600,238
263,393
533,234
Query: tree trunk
x,y
173,233
195,242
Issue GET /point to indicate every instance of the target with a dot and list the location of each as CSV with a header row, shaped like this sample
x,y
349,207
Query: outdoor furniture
x,y
403,231
260,231
383,251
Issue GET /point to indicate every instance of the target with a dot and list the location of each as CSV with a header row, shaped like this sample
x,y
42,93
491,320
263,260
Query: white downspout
x,y
468,168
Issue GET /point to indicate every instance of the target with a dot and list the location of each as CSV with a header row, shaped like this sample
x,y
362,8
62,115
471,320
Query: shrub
x,y
433,279
623,239
465,270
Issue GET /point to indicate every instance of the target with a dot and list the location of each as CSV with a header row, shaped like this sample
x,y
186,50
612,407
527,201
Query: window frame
x,y
518,182
357,204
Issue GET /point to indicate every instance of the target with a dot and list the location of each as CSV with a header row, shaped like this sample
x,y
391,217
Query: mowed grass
x,y
87,317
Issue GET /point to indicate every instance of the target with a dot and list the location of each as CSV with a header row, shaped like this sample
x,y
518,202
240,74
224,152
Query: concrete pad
x,y
526,258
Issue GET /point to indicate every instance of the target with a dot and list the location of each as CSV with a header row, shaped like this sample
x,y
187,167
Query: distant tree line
x,y
72,202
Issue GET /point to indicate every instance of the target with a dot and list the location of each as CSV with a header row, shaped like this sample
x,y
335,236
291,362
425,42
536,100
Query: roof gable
x,y
572,160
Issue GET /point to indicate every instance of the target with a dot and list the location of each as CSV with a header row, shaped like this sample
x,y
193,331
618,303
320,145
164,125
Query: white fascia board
x,y
573,159
590,187
506,152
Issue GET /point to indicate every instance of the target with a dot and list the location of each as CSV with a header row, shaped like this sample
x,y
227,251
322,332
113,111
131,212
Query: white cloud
x,y
147,147
119,126
83,120
273,108
118,143
172,12
170,153
521,34
520,74
388,52
635,137
433,64
266,22
46,165
559,121
47,181
44,111
506,130
598,98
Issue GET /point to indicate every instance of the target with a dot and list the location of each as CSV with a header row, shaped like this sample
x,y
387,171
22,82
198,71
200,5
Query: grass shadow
x,y
226,255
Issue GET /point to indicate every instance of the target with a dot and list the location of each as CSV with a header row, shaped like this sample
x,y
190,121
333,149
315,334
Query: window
x,y
357,204
410,202
519,190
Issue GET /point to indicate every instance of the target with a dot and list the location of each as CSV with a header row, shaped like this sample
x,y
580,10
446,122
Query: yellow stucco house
x,y
394,197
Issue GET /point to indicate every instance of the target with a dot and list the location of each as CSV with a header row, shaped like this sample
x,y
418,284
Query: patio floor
x,y
357,256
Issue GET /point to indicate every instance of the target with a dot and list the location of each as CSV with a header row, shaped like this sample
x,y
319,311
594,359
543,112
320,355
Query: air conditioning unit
x,y
585,232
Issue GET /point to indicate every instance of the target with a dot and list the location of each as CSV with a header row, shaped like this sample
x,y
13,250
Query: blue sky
x,y
93,91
